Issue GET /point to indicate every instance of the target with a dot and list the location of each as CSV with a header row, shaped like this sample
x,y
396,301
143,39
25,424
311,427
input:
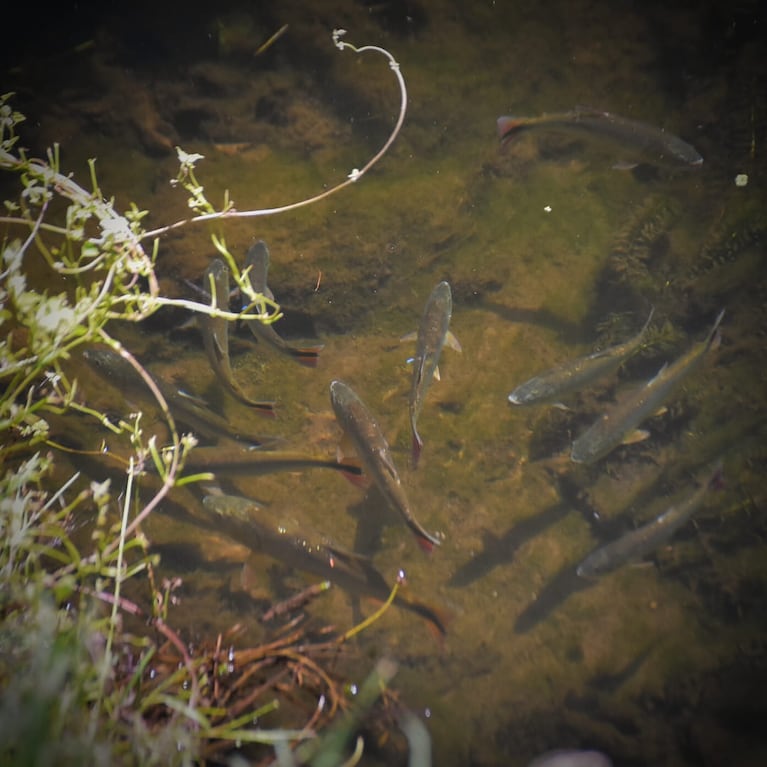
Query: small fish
x,y
618,425
433,333
186,408
655,144
373,452
647,538
257,260
234,460
548,387
245,522
215,337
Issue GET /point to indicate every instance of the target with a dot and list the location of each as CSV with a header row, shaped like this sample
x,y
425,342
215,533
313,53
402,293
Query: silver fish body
x,y
431,337
215,337
550,386
645,539
617,424
653,144
373,452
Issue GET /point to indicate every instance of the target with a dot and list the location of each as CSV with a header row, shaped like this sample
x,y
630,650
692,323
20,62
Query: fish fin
x,y
638,435
265,408
438,619
218,346
349,557
307,355
647,321
347,457
658,374
436,375
346,450
193,398
508,125
411,336
425,541
453,342
560,406
360,480
662,410
624,165
714,337
353,472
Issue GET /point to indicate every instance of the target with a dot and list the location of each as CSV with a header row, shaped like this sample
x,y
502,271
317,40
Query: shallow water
x,y
549,252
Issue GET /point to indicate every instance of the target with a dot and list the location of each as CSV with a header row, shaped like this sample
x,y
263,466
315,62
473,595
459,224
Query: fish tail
x,y
508,126
425,541
266,409
308,355
714,336
437,618
352,471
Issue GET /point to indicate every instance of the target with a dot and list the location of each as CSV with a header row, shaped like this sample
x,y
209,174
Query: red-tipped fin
x,y
506,125
308,355
265,409
426,544
354,474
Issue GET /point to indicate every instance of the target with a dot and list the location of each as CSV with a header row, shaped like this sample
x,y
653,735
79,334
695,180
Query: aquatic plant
x,y
76,686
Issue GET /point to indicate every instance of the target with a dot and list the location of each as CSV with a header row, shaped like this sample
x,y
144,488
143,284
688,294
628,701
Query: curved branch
x,y
355,175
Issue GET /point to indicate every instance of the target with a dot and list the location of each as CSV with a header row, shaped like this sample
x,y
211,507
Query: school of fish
x,y
364,456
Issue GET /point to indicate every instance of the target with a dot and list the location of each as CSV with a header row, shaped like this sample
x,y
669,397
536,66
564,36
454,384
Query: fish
x,y
186,408
433,333
655,144
257,263
618,425
236,459
644,540
548,387
215,338
247,523
373,452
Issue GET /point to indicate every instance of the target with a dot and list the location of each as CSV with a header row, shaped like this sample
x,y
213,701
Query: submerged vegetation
x,y
91,670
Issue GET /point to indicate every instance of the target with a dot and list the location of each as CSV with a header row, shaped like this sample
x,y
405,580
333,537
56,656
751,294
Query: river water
x,y
551,252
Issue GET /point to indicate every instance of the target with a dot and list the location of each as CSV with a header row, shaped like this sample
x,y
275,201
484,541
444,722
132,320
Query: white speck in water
x,y
741,179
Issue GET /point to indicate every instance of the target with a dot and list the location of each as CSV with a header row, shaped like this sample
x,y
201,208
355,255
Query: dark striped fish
x,y
647,538
372,450
548,387
619,424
